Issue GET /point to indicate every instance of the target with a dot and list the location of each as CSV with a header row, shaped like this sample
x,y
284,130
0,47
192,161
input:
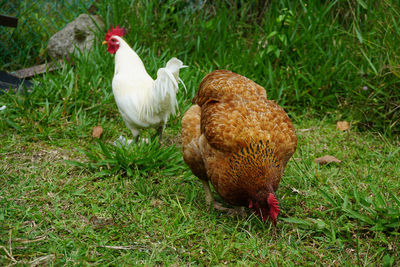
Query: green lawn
x,y
338,214
68,198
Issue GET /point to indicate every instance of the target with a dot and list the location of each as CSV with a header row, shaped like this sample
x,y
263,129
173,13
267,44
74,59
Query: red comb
x,y
115,31
273,207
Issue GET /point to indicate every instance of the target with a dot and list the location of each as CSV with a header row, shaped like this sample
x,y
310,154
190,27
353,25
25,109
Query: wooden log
x,y
38,69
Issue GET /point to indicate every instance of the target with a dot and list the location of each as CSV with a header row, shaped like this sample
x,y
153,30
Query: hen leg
x,y
210,198
217,205
207,191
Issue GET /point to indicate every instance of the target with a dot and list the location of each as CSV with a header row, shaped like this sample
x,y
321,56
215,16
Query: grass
x,y
341,214
70,199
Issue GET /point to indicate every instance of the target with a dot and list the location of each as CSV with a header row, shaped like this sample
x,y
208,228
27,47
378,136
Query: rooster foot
x,y
144,140
122,141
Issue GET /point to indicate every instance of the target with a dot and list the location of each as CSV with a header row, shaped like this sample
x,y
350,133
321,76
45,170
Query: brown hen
x,y
239,140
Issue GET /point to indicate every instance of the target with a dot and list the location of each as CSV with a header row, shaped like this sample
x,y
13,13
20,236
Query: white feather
x,y
142,101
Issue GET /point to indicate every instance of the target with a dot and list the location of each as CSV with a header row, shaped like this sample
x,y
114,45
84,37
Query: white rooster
x,y
142,101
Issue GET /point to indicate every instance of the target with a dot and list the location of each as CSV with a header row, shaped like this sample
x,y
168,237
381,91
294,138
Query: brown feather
x,y
237,138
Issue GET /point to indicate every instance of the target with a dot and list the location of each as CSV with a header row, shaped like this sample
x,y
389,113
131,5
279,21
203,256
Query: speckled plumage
x,y
237,139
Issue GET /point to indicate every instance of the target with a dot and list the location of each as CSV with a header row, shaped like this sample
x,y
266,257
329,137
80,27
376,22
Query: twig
x,y
248,233
305,130
119,247
8,254
38,261
9,244
26,241
39,69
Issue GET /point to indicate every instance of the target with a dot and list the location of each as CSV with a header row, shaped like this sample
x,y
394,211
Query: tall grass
x,y
338,55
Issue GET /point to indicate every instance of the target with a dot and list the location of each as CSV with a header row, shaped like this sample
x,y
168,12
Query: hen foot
x,y
218,206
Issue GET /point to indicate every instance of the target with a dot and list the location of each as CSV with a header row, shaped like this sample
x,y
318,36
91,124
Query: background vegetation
x,y
67,198
26,45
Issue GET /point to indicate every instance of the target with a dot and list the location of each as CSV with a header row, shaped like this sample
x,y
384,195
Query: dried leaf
x,y
157,203
119,247
97,131
294,190
342,125
326,159
101,222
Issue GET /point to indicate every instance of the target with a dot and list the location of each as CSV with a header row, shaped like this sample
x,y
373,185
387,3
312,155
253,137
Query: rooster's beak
x,y
104,42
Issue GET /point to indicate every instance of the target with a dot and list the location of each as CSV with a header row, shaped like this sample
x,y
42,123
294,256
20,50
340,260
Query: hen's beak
x,y
104,42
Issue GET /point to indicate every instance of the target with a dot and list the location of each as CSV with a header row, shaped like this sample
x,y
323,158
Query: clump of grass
x,y
132,159
377,212
356,211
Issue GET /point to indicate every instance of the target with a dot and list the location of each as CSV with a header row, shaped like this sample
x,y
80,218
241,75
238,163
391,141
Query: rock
x,y
77,34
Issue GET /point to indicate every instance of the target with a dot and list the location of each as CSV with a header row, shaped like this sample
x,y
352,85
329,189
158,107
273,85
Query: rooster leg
x,y
160,129
135,134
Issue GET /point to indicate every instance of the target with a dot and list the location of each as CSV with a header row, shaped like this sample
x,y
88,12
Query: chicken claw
x,y
218,206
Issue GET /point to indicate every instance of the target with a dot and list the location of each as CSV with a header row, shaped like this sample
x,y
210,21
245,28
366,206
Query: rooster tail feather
x,y
174,65
163,93
184,86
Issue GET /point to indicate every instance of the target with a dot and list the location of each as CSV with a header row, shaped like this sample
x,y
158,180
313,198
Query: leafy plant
x,y
356,211
373,211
